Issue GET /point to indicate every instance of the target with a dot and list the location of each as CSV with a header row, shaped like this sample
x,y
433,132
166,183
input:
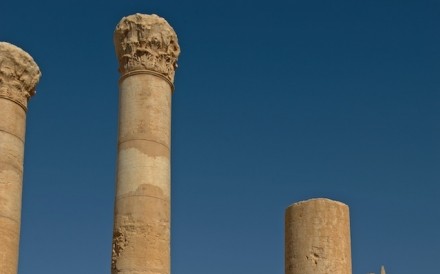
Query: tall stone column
x,y
317,238
147,50
19,75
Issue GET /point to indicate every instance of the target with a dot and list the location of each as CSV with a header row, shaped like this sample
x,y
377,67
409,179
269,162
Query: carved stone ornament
x,y
19,74
146,42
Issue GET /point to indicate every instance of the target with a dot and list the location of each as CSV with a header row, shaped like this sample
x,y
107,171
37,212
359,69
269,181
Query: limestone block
x,y
13,118
9,237
317,238
145,109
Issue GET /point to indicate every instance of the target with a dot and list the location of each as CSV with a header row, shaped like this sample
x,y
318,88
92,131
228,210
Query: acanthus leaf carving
x,y
19,74
146,42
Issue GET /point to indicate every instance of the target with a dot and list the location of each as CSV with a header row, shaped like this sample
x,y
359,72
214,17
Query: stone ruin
x,y
317,231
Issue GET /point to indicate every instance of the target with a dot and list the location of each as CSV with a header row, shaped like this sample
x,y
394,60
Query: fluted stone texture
x,y
19,75
317,238
147,51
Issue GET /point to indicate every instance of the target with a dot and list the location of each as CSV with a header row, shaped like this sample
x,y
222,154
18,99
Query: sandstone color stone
x,y
19,76
147,51
317,238
146,42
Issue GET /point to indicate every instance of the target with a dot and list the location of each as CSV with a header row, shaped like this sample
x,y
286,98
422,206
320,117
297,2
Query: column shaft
x,y
141,241
317,238
18,77
147,50
12,132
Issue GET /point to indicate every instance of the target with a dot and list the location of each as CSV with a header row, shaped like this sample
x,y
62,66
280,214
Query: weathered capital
x,y
146,43
19,74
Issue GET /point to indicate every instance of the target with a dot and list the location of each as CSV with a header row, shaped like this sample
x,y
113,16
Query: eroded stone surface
x,y
141,234
18,77
19,74
146,42
317,238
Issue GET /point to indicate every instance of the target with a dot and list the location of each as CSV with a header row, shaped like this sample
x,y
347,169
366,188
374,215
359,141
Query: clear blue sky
x,y
275,102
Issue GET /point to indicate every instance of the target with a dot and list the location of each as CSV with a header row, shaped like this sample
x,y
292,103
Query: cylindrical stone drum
x,y
317,238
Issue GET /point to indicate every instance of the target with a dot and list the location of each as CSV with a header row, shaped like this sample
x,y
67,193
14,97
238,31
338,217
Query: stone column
x,y
317,238
147,50
19,76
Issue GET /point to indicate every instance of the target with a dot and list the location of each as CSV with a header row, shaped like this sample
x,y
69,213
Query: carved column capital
x,y
146,43
19,74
